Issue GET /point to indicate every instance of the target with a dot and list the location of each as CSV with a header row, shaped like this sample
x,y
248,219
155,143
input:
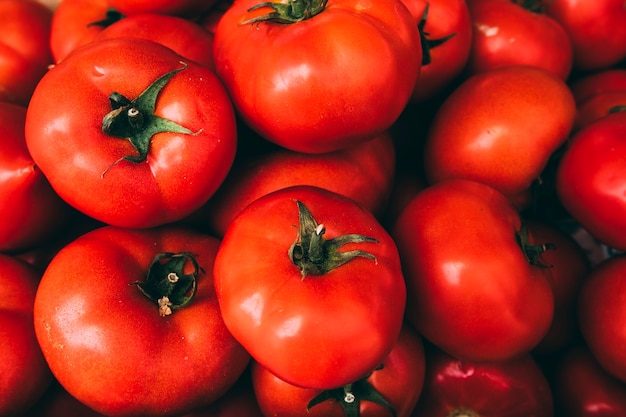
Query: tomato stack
x,y
313,208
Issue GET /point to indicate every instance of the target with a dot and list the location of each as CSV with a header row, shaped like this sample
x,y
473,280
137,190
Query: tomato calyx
x,y
110,17
617,109
535,6
291,11
427,43
135,120
315,255
532,252
167,282
351,395
462,412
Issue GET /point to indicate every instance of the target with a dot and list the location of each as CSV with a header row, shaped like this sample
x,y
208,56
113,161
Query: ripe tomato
x,y
185,8
318,312
31,211
391,390
598,106
24,49
591,178
24,374
602,314
469,273
604,81
126,139
511,33
97,320
500,127
512,388
335,74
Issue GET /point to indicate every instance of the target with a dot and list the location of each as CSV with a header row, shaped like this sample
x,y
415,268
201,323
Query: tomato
x,y
331,75
517,33
24,374
185,8
602,314
591,178
125,139
583,389
512,388
469,280
598,106
134,312
185,37
364,172
320,311
597,30
394,386
603,81
24,50
500,127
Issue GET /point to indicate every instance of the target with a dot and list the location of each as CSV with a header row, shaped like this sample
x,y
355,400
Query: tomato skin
x,y
24,374
590,179
181,171
276,314
602,315
468,281
513,388
184,8
597,107
399,381
603,81
505,33
310,86
496,137
94,326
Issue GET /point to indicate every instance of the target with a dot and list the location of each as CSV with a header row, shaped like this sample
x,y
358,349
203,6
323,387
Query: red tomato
x,y
135,314
24,374
364,172
123,148
185,37
31,211
186,8
396,385
583,389
602,314
318,312
509,33
596,28
603,81
469,281
513,388
338,75
24,49
598,106
591,179
500,127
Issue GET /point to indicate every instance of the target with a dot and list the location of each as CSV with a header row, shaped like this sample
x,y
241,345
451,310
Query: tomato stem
x,y
291,11
313,254
532,252
427,43
110,17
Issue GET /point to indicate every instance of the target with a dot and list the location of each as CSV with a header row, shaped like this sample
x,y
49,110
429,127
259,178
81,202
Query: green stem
x,y
291,11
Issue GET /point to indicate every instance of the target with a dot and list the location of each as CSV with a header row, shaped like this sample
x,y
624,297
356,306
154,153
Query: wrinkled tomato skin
x,y
276,314
512,388
94,325
310,86
602,314
591,178
468,281
85,166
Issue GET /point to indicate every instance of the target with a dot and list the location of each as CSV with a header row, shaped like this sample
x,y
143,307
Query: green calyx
x,y
315,255
135,120
290,11
167,284
351,396
427,43
535,6
532,252
110,17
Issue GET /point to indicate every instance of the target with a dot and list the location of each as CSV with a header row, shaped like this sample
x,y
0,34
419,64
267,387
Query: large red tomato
x,y
500,127
129,322
472,272
130,134
317,76
311,285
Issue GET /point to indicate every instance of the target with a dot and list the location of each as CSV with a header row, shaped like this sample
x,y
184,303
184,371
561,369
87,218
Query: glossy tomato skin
x,y
85,166
468,281
602,314
507,124
505,33
512,388
590,179
24,374
318,331
310,86
399,381
93,325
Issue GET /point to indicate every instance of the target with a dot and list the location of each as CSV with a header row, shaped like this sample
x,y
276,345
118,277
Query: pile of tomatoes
x,y
407,208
